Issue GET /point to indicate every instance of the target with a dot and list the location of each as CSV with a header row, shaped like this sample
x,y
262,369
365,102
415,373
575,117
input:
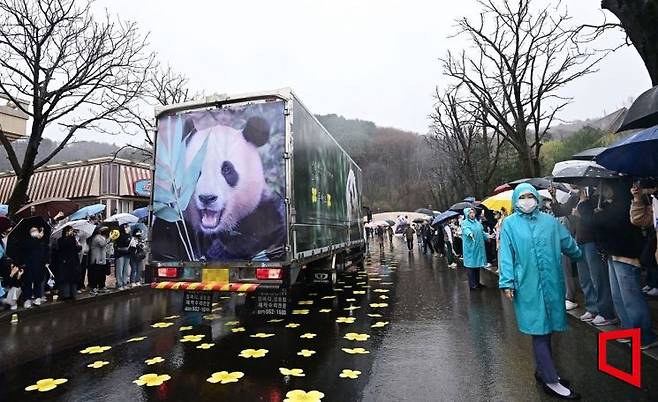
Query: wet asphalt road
x,y
441,343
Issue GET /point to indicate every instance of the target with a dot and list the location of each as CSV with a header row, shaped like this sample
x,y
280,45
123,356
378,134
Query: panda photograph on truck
x,y
230,164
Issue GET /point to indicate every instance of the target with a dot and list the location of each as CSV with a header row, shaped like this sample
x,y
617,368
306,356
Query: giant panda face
x,y
231,181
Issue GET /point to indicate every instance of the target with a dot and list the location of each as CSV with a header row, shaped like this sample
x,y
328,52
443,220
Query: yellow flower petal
x,y
46,384
305,302
231,323
162,324
325,310
154,360
152,380
211,317
295,372
95,349
350,300
137,339
238,329
185,328
292,325
205,346
306,353
380,324
275,320
328,297
345,320
224,377
253,353
355,351
356,337
359,292
261,335
351,308
347,373
378,305
171,317
308,335
375,315
192,338
299,395
381,290
383,297
98,364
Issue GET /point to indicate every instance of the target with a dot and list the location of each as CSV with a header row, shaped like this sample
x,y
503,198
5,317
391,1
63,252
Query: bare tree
x,y
461,133
521,58
638,20
76,70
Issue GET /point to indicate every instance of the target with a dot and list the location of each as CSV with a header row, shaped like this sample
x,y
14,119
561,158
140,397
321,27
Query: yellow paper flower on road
x,y
325,310
211,317
351,308
253,353
375,315
295,372
378,305
328,297
185,328
302,396
379,324
345,320
292,325
46,384
238,329
154,360
224,377
137,339
231,323
98,364
347,373
308,335
347,287
350,300
359,292
383,297
356,337
275,320
300,312
205,346
192,338
162,324
306,353
95,349
171,317
355,351
313,294
261,335
375,279
152,380
305,302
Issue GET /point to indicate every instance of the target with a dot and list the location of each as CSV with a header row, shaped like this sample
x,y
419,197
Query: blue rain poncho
x,y
475,255
530,262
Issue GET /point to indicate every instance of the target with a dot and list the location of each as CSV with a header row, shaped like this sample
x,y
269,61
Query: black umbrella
x,y
643,113
460,206
425,211
21,232
588,154
585,174
418,220
539,183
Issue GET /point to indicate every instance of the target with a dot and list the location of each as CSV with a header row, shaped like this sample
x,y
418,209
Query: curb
x,y
62,305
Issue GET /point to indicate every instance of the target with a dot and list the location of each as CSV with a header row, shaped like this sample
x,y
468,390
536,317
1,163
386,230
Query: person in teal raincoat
x,y
475,255
530,262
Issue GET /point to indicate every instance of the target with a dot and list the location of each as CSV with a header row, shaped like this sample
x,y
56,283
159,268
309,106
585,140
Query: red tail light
x,y
269,273
167,272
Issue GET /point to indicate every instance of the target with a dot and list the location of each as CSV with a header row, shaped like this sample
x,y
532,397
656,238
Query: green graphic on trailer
x,y
327,187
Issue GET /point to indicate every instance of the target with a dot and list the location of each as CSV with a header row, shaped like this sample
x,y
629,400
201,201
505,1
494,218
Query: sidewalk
x,y
54,305
577,312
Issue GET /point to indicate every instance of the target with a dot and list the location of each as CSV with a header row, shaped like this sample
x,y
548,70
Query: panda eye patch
x,y
230,174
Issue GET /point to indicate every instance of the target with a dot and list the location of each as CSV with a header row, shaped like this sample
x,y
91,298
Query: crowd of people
x,y
64,267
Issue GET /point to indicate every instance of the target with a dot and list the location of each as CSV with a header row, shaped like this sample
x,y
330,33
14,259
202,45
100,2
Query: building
x,y
13,122
120,184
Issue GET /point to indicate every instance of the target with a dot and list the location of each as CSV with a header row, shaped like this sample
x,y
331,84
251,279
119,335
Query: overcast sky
x,y
373,60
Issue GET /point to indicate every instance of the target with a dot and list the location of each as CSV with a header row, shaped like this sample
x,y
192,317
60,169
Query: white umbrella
x,y
122,218
84,228
562,196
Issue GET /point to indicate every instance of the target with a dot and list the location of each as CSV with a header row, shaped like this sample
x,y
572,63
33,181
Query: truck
x,y
251,194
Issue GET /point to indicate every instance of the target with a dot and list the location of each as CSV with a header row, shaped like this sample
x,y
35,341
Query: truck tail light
x,y
269,273
167,272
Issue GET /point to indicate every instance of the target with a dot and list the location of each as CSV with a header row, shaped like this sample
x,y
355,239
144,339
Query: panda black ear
x,y
257,131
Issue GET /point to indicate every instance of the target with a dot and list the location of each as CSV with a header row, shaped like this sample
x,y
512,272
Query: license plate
x,y
197,301
214,275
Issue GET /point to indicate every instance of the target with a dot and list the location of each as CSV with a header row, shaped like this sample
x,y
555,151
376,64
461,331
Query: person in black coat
x,y
68,263
34,256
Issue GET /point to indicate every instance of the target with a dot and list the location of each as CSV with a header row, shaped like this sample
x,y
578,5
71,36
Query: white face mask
x,y
527,205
